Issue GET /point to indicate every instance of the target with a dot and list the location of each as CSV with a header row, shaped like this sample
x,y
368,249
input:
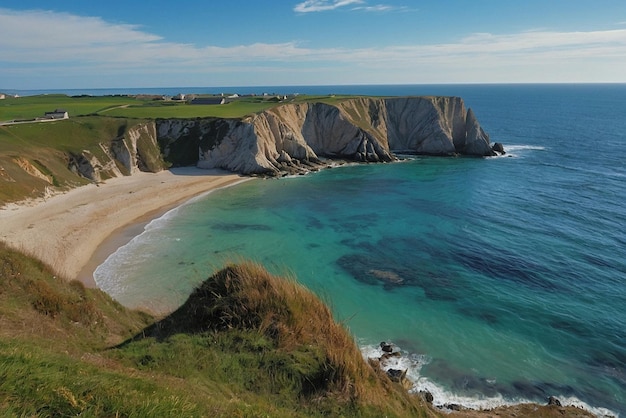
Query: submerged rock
x,y
387,276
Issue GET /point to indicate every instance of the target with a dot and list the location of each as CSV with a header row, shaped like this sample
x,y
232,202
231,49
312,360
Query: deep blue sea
x,y
502,279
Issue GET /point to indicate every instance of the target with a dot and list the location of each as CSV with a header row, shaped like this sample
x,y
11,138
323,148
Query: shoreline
x,y
112,243
75,231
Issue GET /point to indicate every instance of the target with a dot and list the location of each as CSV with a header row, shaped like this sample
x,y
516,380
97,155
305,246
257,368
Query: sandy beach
x,y
72,231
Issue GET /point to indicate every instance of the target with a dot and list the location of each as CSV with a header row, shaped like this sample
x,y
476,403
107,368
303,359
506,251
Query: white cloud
x,y
359,5
323,5
376,8
50,29
42,45
309,6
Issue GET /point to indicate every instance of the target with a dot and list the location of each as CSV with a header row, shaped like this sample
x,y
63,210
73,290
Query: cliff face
x,y
134,150
293,138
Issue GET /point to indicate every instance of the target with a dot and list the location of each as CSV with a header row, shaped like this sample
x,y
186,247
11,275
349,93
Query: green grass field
x,y
31,107
167,110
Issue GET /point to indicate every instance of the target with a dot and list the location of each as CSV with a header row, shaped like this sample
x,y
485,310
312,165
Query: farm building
x,y
208,100
57,114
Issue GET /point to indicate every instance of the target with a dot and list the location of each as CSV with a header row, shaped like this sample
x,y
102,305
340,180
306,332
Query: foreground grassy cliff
x,y
245,344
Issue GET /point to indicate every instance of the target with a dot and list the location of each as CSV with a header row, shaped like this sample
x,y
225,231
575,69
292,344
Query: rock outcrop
x,y
296,138
134,150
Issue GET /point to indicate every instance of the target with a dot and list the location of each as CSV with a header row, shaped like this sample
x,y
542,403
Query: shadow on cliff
x,y
192,170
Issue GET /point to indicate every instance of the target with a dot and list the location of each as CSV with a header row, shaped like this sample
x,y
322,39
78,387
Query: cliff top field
x,y
143,107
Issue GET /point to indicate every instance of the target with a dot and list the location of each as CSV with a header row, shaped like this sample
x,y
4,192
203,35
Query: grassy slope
x,y
46,146
60,352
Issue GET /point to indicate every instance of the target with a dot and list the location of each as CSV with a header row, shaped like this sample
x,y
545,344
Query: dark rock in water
x,y
503,265
437,293
552,401
453,407
571,326
387,356
387,348
396,375
427,396
498,147
529,389
483,313
399,376
236,227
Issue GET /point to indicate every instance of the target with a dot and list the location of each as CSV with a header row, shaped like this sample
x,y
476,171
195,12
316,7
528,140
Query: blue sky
x,y
109,44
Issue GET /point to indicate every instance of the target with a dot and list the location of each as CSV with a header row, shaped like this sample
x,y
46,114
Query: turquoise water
x,y
502,279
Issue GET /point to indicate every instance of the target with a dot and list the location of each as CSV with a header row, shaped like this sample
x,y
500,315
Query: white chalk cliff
x,y
296,137
134,150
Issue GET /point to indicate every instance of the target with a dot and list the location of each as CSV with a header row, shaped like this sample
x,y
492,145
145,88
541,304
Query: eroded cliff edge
x,y
295,138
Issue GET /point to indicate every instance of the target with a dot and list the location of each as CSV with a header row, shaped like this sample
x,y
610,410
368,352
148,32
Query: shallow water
x,y
502,279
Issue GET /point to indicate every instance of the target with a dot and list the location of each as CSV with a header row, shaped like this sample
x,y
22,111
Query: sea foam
x,y
413,364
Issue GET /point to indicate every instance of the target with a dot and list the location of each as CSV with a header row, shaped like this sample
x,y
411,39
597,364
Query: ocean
x,y
501,279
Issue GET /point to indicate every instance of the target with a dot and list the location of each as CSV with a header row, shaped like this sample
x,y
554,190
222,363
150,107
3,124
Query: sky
x,y
184,43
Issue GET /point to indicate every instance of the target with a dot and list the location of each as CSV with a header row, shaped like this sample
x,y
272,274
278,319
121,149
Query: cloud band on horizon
x,y
45,43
